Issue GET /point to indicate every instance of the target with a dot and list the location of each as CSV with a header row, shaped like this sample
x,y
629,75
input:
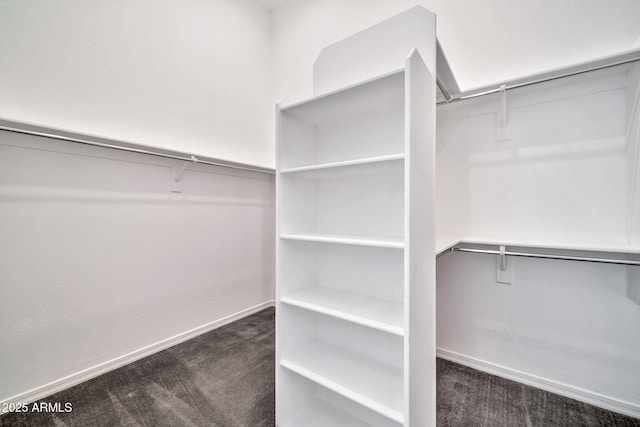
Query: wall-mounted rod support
x,y
180,173
503,131
503,96
544,256
503,258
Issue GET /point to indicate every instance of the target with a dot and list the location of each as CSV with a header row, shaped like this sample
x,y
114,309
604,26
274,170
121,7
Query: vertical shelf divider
x,y
420,244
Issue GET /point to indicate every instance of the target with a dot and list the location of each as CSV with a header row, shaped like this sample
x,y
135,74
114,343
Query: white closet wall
x,y
100,260
189,76
563,180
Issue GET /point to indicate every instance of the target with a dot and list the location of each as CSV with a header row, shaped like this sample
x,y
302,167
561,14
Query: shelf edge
x,y
380,326
364,82
345,241
345,163
343,391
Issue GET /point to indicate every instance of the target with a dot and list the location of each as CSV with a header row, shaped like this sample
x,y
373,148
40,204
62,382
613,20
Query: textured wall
x,y
189,76
98,258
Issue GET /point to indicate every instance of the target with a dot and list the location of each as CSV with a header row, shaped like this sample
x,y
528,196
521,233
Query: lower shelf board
x,y
372,312
325,415
372,384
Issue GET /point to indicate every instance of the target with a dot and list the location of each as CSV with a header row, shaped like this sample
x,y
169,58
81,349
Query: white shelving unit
x,y
355,308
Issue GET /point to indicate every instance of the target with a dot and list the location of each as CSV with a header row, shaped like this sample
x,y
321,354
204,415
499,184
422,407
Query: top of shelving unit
x,y
382,47
363,96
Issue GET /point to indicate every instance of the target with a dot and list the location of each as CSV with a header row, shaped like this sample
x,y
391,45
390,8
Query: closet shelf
x,y
349,168
371,312
380,242
372,384
367,95
323,415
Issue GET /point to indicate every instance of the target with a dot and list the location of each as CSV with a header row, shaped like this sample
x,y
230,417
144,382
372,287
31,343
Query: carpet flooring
x,y
222,378
225,378
470,398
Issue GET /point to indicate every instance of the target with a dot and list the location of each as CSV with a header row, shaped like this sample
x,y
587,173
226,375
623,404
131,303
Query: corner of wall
x,y
633,283
633,157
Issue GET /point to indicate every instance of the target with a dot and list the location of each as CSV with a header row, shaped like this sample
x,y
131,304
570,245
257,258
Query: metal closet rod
x,y
545,256
450,98
115,146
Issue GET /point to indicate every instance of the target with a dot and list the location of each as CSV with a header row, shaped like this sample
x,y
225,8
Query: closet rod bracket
x,y
503,130
504,270
178,174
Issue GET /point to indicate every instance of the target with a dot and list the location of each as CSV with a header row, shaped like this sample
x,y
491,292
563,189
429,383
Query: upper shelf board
x,y
379,92
381,165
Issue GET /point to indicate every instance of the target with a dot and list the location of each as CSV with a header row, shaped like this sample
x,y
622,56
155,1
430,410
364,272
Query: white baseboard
x,y
89,373
586,396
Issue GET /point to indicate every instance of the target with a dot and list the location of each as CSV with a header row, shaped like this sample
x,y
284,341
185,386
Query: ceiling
x,y
271,4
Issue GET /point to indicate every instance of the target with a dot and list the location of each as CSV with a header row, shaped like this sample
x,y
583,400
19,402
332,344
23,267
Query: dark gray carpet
x,y
222,378
471,398
225,378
